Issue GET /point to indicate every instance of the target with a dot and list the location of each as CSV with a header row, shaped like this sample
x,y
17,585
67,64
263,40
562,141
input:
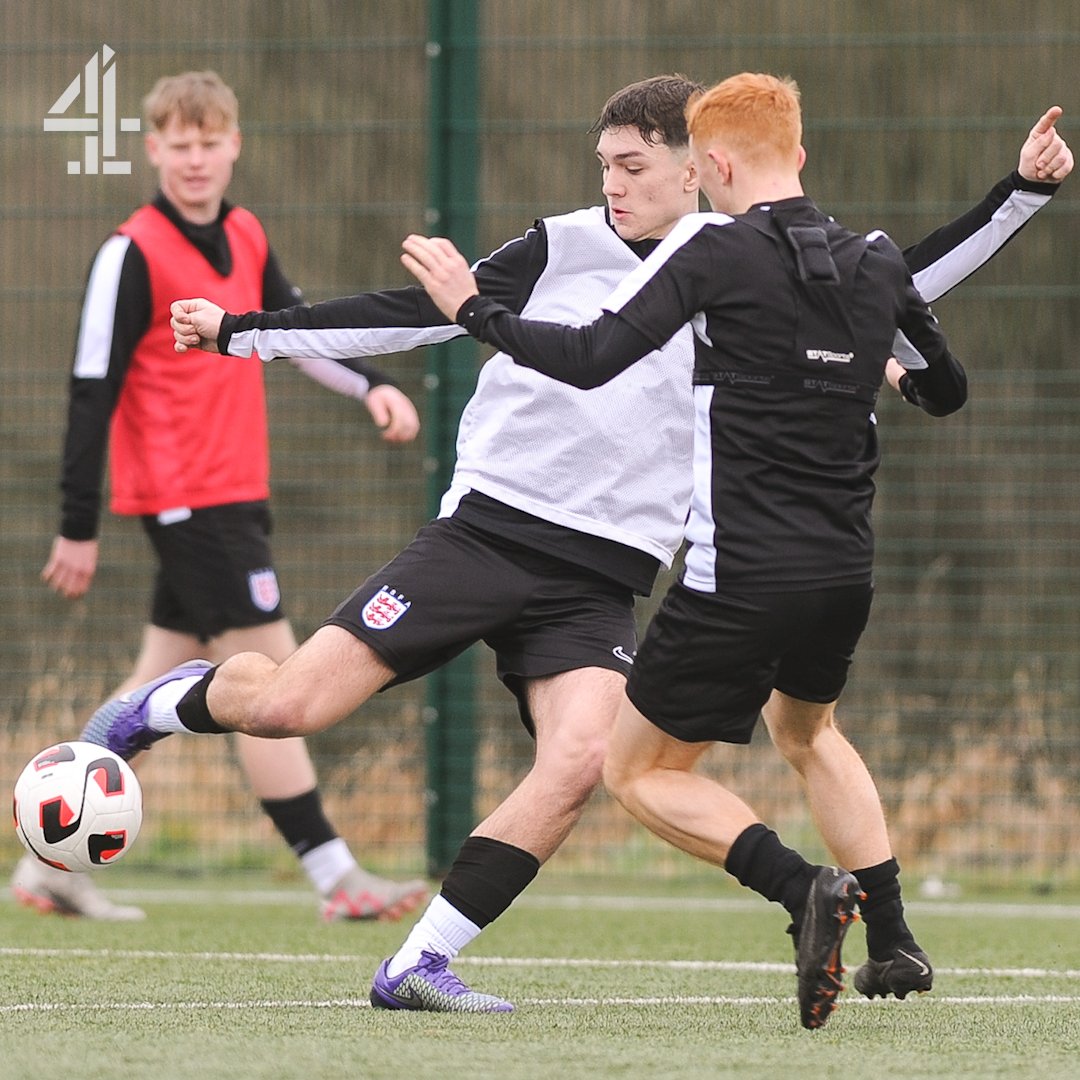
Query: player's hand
x,y
893,372
1045,155
71,566
394,412
195,324
441,269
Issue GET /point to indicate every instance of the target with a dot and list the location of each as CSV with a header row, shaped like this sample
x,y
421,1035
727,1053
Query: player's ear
x,y
691,180
153,148
802,157
721,163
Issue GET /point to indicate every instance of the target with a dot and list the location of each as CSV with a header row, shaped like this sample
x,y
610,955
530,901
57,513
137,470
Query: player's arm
x,y
933,379
649,307
390,408
585,357
367,324
115,314
948,255
350,375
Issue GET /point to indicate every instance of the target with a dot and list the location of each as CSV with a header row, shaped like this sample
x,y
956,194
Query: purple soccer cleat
x,y
122,724
431,987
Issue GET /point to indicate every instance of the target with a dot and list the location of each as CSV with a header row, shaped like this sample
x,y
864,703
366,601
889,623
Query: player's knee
x,y
574,765
791,743
281,716
799,742
591,754
619,780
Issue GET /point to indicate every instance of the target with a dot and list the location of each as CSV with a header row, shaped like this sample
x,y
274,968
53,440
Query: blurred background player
x,y
188,453
553,477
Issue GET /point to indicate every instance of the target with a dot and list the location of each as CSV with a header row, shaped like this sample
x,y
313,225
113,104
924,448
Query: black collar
x,y
210,239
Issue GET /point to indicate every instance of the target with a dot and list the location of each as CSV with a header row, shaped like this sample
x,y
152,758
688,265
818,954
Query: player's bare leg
x,y
847,810
843,798
321,683
331,674
572,713
650,773
282,775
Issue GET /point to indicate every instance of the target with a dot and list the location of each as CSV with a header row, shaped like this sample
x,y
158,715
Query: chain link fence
x,y
965,694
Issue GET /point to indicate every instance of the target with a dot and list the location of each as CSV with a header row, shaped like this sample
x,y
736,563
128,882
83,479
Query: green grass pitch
x,y
231,978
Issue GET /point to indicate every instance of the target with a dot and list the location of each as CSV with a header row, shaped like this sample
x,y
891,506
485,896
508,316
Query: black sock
x,y
301,821
883,910
486,878
192,710
761,862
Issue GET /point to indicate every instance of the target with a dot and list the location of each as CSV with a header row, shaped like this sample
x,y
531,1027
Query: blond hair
x,y
201,98
756,115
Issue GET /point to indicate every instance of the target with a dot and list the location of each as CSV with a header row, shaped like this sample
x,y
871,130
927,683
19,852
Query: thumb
x,y
380,411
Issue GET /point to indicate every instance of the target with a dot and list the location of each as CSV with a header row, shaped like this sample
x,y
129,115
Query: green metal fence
x,y
365,121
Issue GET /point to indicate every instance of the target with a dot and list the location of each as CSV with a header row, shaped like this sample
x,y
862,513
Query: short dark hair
x,y
656,107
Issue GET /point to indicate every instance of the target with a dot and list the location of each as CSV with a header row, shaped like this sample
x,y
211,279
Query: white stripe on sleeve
x,y
948,271
340,343
99,310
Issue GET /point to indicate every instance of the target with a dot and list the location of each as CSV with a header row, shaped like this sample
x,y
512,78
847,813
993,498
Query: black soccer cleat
x,y
830,910
906,971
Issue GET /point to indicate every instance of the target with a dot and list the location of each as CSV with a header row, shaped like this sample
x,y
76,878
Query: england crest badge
x,y
384,609
263,585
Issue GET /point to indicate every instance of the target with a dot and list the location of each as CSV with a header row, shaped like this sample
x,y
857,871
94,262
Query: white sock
x,y
442,929
161,705
327,864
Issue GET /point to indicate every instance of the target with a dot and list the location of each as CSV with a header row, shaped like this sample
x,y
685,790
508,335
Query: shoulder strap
x,y
812,255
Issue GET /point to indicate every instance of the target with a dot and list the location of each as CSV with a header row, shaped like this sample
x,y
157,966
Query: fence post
x,y
449,714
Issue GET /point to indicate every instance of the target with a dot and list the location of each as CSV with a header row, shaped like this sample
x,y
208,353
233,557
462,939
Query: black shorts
x,y
214,571
709,661
455,585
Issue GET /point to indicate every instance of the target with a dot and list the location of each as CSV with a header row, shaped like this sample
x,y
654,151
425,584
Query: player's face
x,y
194,166
648,186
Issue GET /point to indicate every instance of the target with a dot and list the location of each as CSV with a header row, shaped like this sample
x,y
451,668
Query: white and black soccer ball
x,y
77,806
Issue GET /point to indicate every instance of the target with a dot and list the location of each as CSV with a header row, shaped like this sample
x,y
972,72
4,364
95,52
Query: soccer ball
x,y
77,806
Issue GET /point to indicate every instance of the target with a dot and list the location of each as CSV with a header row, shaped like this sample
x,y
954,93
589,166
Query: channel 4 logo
x,y
95,88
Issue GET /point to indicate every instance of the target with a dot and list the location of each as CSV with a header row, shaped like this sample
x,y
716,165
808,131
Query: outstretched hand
x,y
195,324
1045,155
441,269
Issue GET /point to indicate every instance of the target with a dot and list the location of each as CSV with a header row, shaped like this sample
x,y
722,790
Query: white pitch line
x,y
680,904
597,1002
756,966
164,1006
955,908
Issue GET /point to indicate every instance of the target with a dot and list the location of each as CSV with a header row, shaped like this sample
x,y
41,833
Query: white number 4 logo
x,y
96,83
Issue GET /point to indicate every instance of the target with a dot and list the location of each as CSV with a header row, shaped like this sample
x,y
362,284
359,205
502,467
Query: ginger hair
x,y
757,116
